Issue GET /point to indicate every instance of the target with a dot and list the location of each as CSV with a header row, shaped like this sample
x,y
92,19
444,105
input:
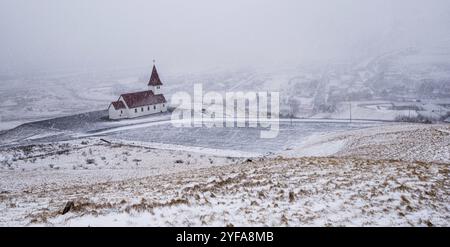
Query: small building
x,y
138,104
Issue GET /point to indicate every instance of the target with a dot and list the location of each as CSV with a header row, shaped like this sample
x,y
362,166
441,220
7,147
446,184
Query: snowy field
x,y
410,142
364,177
276,192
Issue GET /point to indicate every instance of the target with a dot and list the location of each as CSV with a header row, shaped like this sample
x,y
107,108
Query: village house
x,y
132,105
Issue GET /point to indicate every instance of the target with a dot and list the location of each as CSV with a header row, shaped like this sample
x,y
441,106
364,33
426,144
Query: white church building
x,y
131,105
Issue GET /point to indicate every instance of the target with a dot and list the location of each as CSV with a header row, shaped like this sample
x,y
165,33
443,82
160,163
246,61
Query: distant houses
x,y
132,105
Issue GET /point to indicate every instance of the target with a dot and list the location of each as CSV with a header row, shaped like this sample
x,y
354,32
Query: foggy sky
x,y
46,35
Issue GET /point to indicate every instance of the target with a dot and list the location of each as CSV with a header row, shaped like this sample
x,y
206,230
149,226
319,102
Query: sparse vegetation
x,y
90,161
419,118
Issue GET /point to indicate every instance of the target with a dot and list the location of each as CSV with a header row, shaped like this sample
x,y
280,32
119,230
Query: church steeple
x,y
154,78
155,83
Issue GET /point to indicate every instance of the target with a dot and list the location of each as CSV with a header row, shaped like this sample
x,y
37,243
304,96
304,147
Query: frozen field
x,y
158,129
244,139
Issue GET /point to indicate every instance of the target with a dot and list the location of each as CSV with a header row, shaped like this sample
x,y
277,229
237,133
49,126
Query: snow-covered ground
x,y
411,142
275,192
388,175
384,110
88,162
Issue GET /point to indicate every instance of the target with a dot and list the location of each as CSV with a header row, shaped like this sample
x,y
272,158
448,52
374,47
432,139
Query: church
x,y
138,104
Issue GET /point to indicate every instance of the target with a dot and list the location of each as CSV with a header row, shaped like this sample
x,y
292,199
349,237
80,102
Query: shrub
x,y
90,161
416,119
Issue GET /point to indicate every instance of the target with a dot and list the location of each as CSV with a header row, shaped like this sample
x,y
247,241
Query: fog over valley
x,y
49,35
61,57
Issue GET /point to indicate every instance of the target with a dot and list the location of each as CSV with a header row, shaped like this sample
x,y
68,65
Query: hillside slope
x,y
354,187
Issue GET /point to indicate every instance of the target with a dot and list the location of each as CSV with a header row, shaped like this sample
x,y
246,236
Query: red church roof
x,y
143,98
154,78
118,105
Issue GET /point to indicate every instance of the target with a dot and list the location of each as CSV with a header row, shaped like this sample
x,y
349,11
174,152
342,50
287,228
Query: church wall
x,y
147,110
116,114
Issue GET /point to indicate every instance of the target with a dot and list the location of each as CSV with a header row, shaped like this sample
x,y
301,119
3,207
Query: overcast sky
x,y
194,34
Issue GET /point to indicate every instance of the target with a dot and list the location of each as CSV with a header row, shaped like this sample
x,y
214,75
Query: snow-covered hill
x,y
129,184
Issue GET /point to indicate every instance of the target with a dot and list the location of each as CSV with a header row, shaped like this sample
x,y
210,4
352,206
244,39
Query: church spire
x,y
154,78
